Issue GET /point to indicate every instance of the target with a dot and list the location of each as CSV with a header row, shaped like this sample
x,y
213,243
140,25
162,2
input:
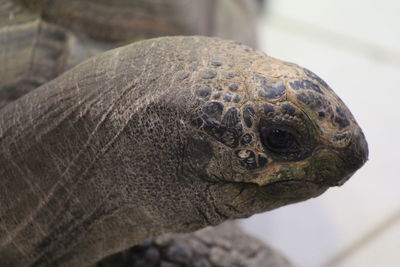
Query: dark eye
x,y
280,140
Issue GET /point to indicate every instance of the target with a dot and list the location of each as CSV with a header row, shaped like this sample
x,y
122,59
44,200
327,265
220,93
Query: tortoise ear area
x,y
198,153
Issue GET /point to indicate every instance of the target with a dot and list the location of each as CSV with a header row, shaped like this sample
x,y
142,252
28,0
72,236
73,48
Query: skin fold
x,y
144,140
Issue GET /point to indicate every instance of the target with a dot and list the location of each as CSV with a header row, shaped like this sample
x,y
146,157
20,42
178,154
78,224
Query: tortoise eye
x,y
280,140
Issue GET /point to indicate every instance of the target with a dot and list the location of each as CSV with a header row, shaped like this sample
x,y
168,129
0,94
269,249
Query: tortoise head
x,y
279,131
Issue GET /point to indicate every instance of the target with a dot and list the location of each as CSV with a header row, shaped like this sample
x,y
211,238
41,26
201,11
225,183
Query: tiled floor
x,y
355,46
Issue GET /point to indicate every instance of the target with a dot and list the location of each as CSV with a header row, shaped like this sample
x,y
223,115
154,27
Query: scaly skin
x,y
144,140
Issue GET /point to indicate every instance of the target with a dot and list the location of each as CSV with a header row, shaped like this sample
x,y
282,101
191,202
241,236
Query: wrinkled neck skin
x,y
88,168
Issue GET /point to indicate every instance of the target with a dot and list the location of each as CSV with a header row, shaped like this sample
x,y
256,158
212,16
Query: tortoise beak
x,y
353,156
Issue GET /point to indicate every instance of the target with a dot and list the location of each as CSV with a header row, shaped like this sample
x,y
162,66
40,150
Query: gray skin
x,y
164,135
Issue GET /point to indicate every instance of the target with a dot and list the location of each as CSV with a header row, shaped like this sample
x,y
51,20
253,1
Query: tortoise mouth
x,y
243,199
294,189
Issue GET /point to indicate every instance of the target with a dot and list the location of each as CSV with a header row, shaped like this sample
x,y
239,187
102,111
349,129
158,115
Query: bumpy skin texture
x,y
224,246
150,138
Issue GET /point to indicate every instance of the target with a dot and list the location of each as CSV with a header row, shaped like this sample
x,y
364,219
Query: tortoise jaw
x,y
295,189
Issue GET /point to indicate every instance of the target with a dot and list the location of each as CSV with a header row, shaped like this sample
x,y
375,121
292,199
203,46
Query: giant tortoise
x,y
165,135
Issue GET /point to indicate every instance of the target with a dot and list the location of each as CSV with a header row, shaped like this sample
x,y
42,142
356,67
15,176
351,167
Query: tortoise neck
x,y
87,173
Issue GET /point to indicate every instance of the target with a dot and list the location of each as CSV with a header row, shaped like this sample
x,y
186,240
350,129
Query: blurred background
x,y
354,46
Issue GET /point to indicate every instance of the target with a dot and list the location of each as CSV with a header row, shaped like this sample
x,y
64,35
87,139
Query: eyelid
x,y
295,145
304,143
